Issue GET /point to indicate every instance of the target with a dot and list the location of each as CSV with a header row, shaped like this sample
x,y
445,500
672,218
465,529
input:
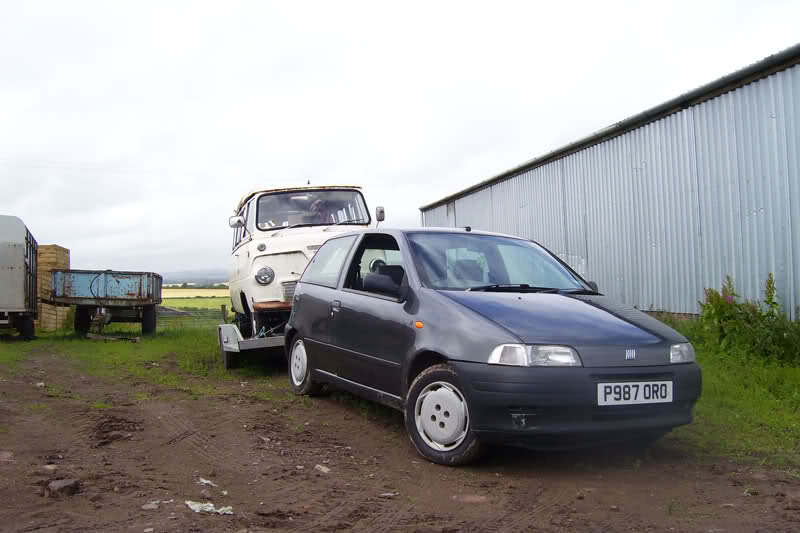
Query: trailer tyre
x,y
83,319
149,320
26,328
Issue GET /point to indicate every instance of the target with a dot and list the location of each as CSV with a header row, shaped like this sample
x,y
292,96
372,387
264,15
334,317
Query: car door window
x,y
327,263
377,265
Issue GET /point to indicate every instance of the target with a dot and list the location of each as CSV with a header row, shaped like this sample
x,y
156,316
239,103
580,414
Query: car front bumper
x,y
519,403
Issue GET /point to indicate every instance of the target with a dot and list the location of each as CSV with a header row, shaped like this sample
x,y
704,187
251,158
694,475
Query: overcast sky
x,y
129,130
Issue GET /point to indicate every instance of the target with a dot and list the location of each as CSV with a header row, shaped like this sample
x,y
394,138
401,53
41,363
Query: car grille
x,y
288,290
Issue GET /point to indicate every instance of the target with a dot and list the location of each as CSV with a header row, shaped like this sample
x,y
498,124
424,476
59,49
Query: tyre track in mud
x,y
526,511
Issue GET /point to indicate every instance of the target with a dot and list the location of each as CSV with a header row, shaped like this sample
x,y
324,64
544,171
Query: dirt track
x,y
264,456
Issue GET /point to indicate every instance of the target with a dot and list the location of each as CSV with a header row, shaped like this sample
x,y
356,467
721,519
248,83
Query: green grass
x,y
12,351
184,359
750,408
101,405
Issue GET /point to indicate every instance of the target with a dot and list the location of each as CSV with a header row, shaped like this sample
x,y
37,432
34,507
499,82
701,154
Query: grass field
x,y
174,292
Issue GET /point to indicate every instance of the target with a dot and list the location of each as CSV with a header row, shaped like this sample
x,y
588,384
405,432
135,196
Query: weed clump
x,y
751,329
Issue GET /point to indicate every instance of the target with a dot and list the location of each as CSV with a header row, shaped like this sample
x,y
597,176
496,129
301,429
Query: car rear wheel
x,y
300,370
437,418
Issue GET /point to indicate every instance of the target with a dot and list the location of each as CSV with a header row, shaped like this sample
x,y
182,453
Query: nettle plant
x,y
752,328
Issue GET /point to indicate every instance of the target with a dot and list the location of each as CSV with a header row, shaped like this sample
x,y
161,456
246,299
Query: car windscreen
x,y
461,261
311,208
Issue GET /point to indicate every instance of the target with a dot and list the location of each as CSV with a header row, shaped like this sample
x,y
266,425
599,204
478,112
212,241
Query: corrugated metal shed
x,y
670,201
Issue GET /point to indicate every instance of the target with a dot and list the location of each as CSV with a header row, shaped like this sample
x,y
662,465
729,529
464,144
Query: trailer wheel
x,y
229,360
26,328
83,320
148,320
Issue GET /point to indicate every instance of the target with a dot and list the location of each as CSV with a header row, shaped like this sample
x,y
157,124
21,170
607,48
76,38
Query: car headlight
x,y
535,355
265,275
681,353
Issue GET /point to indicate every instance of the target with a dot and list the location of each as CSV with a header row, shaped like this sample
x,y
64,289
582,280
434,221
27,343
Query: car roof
x,y
246,197
427,229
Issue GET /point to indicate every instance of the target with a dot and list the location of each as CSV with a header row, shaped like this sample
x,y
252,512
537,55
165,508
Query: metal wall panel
x,y
436,217
657,214
475,210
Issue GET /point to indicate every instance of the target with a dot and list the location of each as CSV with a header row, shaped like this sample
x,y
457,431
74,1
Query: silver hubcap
x,y
298,363
441,416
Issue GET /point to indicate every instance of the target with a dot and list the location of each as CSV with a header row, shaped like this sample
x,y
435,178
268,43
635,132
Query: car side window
x,y
377,266
327,263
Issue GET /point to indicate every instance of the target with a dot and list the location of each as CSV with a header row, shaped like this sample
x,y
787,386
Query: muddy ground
x,y
131,445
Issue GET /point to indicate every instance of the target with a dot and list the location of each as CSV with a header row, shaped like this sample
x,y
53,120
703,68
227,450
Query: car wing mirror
x,y
236,222
593,285
380,213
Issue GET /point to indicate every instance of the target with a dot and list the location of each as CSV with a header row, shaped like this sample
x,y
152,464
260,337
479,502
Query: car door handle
x,y
336,306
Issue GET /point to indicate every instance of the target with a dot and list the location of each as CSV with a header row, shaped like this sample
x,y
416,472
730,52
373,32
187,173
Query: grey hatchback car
x,y
480,337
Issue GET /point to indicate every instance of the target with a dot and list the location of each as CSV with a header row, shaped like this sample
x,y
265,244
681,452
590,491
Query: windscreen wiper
x,y
344,222
580,290
523,287
281,230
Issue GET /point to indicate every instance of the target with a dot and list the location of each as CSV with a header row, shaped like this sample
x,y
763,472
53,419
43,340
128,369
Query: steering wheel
x,y
376,264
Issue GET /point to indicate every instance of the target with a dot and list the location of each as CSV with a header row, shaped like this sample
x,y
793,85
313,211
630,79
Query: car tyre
x,y
437,418
300,370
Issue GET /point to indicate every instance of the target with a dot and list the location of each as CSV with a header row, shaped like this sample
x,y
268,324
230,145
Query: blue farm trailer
x,y
108,296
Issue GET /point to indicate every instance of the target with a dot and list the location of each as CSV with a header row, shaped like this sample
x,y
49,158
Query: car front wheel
x,y
437,418
300,370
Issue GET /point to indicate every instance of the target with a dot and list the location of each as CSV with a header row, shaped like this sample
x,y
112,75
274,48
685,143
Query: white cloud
x,y
130,130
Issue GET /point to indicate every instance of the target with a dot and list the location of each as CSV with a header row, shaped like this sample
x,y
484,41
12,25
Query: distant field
x,y
172,292
197,303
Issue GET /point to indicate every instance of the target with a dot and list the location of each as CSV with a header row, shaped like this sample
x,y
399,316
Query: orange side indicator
x,y
419,325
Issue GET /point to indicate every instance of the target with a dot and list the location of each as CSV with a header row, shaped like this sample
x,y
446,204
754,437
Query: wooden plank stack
x,y
51,257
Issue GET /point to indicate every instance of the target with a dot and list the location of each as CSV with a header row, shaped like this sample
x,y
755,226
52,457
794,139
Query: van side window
x,y
377,265
327,263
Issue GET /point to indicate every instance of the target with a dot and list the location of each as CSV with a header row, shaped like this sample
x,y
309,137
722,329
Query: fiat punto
x,y
481,337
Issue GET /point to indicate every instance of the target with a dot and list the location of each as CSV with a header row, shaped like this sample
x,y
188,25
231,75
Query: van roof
x,y
246,197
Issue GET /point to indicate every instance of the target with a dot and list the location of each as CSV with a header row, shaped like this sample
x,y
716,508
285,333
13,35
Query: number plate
x,y
634,392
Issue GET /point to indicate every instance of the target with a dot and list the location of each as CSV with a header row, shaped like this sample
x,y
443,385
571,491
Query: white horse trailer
x,y
18,266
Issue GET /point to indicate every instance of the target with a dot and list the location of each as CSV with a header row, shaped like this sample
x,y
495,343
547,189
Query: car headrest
x,y
468,269
395,272
380,283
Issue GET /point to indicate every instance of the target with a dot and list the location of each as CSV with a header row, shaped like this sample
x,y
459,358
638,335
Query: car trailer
x,y
231,343
108,296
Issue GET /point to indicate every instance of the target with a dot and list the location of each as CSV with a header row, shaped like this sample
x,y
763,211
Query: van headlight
x,y
682,353
534,355
265,275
